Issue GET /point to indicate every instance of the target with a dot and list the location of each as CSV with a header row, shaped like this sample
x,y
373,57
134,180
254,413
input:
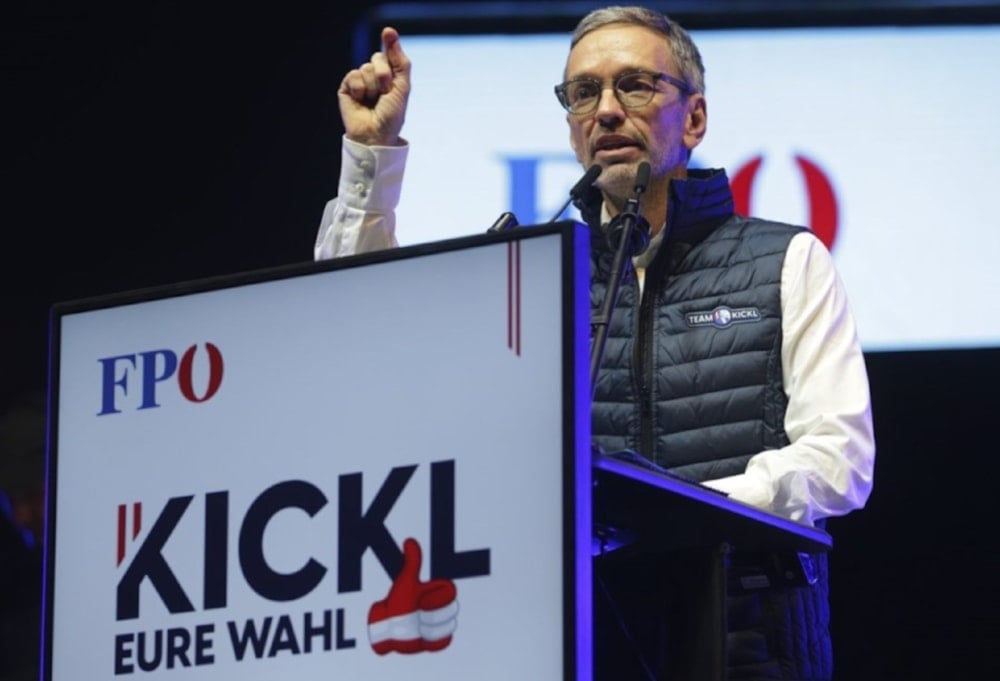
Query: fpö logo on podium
x,y
134,379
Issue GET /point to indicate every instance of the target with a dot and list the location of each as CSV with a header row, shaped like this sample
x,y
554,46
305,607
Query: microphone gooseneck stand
x,y
626,235
630,230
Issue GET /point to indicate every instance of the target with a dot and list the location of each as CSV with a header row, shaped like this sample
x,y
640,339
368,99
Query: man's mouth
x,y
613,143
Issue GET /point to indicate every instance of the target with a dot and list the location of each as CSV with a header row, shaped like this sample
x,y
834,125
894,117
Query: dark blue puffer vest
x,y
708,332
691,378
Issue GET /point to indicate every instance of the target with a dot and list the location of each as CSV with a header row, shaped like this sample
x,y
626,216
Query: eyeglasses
x,y
633,89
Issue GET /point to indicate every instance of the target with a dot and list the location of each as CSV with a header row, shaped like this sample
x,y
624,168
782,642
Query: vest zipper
x,y
643,361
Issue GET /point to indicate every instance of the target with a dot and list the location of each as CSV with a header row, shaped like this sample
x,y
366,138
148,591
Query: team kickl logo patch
x,y
723,317
415,616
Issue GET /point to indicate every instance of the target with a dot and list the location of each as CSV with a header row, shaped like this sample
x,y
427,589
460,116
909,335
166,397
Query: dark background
x,y
157,142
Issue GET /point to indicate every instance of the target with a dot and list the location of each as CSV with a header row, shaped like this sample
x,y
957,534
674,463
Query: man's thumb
x,y
393,49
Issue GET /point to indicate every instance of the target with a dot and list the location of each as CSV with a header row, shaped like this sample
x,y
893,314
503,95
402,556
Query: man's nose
x,y
609,109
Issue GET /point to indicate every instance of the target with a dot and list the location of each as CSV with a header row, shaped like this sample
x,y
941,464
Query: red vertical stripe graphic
x,y
514,296
517,297
121,533
510,294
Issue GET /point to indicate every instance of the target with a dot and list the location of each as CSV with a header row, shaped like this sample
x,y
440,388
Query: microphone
x,y
641,180
629,223
582,185
628,230
504,222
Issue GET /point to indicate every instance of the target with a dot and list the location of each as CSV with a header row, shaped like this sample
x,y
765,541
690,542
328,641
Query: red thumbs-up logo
x,y
415,616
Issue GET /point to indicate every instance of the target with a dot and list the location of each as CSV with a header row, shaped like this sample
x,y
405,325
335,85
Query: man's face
x,y
662,132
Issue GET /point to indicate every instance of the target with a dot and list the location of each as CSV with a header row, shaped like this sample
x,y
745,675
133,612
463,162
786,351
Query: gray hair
x,y
683,49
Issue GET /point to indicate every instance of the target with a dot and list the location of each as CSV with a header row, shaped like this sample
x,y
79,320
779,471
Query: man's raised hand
x,y
373,96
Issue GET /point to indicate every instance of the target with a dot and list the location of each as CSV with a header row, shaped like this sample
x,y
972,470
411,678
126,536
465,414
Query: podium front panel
x,y
376,467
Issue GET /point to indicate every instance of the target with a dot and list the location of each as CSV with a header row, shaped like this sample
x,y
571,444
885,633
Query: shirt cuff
x,y
744,488
371,178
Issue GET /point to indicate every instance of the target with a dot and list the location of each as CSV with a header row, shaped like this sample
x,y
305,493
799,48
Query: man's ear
x,y
696,120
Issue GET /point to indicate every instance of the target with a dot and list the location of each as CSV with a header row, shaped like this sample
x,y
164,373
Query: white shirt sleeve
x,y
828,467
362,217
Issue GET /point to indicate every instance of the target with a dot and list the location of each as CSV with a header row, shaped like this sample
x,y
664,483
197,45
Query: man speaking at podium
x,y
732,357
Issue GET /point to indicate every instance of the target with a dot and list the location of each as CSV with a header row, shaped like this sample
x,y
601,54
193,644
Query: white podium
x,y
372,467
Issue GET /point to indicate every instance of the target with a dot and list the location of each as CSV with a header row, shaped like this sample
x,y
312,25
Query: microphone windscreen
x,y
584,182
641,177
